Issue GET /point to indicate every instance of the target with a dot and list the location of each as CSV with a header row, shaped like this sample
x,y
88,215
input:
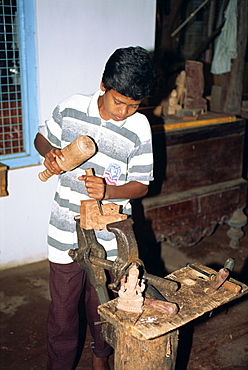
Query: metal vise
x,y
91,256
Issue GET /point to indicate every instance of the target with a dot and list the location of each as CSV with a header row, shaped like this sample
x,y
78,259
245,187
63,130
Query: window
x,y
18,92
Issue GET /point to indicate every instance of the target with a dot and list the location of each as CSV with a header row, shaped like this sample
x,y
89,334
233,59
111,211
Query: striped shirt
x,y
124,154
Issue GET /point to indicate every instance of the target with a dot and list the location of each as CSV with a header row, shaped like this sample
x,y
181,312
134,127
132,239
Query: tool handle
x,y
161,283
89,172
45,175
75,153
235,288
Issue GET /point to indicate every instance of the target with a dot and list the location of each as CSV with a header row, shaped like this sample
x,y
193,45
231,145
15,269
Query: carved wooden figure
x,y
130,294
173,106
91,218
181,87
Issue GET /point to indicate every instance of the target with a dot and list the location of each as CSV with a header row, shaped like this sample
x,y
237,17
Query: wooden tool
x,y
235,288
221,276
77,152
218,280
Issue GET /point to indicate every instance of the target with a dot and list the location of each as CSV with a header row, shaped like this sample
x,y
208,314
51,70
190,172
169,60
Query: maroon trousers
x,y
66,286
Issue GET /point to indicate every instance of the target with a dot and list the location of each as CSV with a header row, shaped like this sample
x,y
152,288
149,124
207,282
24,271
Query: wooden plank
x,y
192,299
207,120
186,217
189,158
203,163
3,180
202,133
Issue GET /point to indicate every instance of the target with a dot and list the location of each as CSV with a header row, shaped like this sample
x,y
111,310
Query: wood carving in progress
x,y
91,218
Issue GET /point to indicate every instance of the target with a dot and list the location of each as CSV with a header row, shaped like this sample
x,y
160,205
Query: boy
x,y
123,167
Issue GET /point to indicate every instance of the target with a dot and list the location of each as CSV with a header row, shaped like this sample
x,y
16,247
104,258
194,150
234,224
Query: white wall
x,y
74,40
76,37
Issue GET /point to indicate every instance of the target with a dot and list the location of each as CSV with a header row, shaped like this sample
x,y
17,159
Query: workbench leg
x,y
236,222
152,354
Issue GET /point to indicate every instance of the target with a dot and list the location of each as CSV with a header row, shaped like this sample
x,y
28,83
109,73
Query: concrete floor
x,y
216,341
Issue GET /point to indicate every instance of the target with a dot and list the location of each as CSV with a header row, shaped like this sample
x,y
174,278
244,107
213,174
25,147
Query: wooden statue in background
x,y
173,105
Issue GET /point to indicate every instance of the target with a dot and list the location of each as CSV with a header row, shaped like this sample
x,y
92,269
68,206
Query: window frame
x,y
29,88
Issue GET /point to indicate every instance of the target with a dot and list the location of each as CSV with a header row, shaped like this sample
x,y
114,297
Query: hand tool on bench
x,y
219,279
90,255
221,276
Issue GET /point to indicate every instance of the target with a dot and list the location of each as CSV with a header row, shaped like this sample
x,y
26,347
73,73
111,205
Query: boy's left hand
x,y
95,186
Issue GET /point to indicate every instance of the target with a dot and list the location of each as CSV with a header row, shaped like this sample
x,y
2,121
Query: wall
x,y
74,40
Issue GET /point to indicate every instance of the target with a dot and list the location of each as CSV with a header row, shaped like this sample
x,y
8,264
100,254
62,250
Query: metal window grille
x,y
11,127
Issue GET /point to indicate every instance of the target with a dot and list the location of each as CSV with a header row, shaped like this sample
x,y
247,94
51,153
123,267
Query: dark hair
x,y
130,72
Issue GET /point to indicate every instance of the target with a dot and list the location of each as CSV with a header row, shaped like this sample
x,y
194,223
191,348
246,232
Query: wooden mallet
x,y
75,153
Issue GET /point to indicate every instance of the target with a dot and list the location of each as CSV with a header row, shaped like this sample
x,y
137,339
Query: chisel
x,y
89,172
235,288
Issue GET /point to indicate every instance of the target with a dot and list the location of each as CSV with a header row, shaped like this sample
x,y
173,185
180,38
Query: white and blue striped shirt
x,y
124,154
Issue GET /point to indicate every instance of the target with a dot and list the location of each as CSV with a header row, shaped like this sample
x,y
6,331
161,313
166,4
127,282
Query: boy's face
x,y
113,105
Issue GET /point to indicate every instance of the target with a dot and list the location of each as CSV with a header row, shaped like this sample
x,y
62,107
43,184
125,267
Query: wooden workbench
x,y
149,340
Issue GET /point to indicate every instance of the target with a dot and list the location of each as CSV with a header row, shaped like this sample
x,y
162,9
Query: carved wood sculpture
x,y
173,106
91,218
131,299
130,294
77,152
181,87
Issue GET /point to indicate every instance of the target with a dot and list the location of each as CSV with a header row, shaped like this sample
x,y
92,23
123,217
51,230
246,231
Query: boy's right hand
x,y
50,161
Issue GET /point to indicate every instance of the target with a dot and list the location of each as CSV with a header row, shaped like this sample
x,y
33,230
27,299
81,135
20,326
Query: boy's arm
x,y
49,152
97,189
131,190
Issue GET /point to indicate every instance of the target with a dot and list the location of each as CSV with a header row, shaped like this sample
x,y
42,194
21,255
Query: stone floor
x,y
214,341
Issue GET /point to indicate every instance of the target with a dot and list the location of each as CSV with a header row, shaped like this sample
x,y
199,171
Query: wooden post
x,y
158,353
133,353
232,82
236,222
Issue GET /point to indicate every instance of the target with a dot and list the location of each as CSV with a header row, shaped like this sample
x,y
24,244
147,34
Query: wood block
x,y
3,180
90,217
194,86
216,97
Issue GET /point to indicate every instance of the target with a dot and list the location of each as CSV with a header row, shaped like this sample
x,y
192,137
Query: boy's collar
x,y
93,110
